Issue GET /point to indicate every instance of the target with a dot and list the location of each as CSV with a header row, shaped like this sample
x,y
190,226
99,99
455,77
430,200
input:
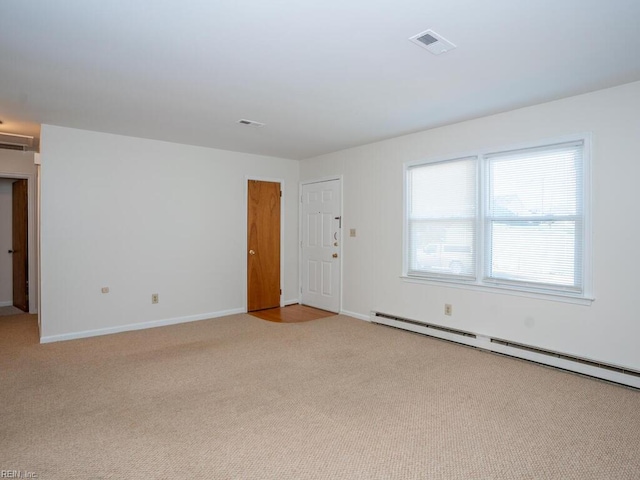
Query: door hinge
x,y
280,291
281,193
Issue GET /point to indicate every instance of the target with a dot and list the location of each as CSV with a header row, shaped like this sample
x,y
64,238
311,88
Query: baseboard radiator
x,y
591,368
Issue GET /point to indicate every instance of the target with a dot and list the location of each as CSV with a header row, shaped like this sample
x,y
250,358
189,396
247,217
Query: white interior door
x,y
321,245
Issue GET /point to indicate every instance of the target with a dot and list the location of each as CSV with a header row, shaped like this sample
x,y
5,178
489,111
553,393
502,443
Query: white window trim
x,y
478,284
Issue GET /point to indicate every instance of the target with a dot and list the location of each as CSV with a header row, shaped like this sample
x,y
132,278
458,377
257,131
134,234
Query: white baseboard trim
x,y
8,303
139,326
359,316
286,303
612,373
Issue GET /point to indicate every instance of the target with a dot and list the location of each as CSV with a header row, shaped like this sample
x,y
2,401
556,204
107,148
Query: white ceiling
x,y
323,75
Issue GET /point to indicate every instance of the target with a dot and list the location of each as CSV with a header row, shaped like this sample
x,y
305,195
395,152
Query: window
x,y
514,219
442,217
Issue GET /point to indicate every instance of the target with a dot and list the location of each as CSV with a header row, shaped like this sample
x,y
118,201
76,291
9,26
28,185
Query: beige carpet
x,y
335,398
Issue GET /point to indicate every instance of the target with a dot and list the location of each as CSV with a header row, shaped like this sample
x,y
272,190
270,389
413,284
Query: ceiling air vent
x,y
250,123
433,42
10,141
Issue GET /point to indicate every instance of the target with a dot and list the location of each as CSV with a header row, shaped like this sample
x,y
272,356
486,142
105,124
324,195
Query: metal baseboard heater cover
x,y
425,325
592,368
570,358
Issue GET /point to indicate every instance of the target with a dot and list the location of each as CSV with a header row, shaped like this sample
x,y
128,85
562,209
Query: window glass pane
x,y
443,190
535,183
537,252
444,246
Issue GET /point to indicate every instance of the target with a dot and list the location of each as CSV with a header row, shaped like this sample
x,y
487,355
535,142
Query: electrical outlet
x,y
448,309
105,289
154,298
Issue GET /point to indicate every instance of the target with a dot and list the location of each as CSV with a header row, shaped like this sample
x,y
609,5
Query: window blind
x,y
535,217
442,208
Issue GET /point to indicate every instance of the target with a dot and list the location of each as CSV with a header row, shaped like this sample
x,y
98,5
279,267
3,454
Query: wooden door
x,y
263,245
321,245
20,252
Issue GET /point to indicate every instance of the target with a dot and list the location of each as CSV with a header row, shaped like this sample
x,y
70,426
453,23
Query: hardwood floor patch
x,y
291,314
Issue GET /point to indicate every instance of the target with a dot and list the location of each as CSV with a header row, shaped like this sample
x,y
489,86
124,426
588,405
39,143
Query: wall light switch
x,y
352,232
105,289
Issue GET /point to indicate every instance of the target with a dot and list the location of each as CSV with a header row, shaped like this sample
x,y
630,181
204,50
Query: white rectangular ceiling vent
x,y
250,123
11,141
433,42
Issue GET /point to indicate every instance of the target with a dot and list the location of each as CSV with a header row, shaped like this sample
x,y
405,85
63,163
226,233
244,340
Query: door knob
x,y
335,255
11,251
252,252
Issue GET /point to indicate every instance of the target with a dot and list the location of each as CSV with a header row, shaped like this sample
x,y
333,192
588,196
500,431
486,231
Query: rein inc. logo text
x,y
17,474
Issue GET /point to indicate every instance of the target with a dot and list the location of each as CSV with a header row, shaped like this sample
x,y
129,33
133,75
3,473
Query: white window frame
x,y
481,247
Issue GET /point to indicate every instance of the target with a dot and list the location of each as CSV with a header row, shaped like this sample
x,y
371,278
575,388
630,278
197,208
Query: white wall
x,y
6,243
15,164
608,330
141,217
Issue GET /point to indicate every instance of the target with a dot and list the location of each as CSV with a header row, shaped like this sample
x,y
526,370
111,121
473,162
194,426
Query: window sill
x,y
502,290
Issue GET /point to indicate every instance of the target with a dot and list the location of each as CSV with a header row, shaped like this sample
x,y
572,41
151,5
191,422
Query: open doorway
x,y
22,167
14,252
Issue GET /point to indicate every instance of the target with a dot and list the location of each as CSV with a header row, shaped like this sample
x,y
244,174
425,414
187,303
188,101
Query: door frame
x,y
342,230
245,264
32,235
